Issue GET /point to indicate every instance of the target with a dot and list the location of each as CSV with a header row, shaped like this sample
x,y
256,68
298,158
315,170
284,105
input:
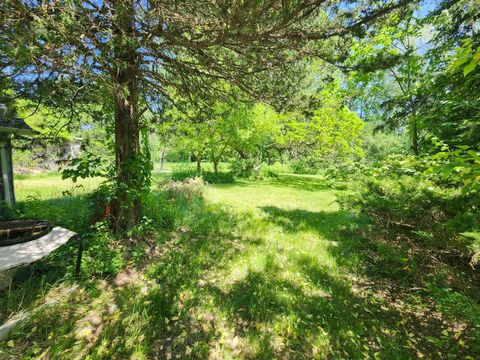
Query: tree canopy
x,y
135,51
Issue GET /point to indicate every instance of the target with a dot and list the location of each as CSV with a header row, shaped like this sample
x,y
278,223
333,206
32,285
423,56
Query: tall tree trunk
x,y
215,165
127,208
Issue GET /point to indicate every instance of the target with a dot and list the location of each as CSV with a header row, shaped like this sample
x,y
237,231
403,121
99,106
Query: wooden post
x,y
6,170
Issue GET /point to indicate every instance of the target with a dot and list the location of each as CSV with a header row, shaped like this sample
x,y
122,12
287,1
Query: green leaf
x,y
469,68
460,61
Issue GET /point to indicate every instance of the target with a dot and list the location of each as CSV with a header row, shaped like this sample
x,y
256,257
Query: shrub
x,y
103,254
248,169
269,173
430,217
181,205
272,171
305,166
181,175
218,178
7,212
243,167
278,168
188,188
378,145
207,176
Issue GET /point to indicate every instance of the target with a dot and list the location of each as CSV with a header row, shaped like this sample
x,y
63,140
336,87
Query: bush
x,y
218,178
180,205
188,188
207,176
243,167
181,175
272,171
430,217
7,212
278,168
307,166
103,254
378,145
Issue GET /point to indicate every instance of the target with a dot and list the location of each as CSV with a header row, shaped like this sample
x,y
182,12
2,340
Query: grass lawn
x,y
254,270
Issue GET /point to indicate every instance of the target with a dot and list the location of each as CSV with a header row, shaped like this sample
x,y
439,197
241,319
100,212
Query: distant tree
x,y
211,130
403,78
328,132
397,48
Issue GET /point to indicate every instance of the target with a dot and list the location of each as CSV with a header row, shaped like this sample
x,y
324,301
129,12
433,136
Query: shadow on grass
x,y
300,182
149,316
322,318
389,272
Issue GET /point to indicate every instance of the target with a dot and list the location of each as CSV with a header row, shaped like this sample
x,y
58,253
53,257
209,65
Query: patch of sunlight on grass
x,y
52,187
289,220
247,195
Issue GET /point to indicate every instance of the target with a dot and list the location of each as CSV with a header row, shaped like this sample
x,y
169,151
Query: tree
x,y
397,48
137,49
209,130
327,132
404,79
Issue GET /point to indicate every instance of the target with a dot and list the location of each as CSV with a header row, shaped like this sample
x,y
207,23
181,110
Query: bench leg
x,y
79,256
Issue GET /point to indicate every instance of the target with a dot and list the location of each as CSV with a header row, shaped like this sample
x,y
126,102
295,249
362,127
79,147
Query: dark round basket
x,y
19,231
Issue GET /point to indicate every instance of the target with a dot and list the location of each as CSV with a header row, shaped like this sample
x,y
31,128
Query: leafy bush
x,y
430,217
103,254
167,206
246,168
188,188
308,166
243,167
7,212
278,168
207,176
268,173
180,205
458,167
272,171
346,171
377,145
181,175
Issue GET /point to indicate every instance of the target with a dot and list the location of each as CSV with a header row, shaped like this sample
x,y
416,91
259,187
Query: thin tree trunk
x,y
414,127
162,159
215,166
198,158
414,137
126,208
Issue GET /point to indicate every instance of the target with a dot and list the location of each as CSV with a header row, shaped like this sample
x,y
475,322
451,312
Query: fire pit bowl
x,y
22,230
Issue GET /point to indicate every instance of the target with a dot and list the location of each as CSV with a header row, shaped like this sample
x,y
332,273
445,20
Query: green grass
x,y
254,270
